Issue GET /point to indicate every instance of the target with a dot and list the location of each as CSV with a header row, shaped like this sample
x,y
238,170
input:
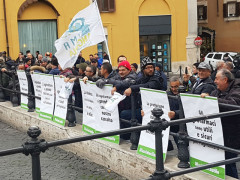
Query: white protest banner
x,y
23,88
208,130
61,103
85,30
95,117
47,97
107,121
88,98
37,85
151,99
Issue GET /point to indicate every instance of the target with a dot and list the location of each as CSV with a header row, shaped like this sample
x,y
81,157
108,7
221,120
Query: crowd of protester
x,y
127,79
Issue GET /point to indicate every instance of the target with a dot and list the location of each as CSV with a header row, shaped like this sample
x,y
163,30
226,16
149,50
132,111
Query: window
x,y
217,56
202,12
210,56
231,9
106,5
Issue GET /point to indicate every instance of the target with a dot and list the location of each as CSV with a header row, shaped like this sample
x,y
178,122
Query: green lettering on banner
x,y
148,152
214,171
88,129
113,139
24,106
45,116
59,120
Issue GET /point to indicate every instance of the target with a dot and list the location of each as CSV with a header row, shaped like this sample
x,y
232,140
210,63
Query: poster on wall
x,y
207,129
47,97
23,88
151,99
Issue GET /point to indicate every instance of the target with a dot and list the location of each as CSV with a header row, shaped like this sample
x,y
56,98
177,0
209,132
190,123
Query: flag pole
x,y
105,41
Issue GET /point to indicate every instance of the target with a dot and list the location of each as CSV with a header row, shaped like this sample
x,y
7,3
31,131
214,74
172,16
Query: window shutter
x,y
238,9
99,5
225,10
111,5
204,12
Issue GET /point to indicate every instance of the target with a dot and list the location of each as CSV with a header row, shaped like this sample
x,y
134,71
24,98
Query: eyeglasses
x,y
88,71
94,62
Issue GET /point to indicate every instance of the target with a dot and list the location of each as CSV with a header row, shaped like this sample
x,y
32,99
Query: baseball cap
x,y
204,65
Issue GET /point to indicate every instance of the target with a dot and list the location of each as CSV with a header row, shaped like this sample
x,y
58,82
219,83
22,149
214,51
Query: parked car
x,y
213,57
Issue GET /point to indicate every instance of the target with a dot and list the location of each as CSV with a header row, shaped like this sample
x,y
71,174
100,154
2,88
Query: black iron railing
x,y
34,147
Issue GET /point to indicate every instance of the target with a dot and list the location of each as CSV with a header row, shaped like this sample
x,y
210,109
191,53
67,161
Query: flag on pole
x,y
85,30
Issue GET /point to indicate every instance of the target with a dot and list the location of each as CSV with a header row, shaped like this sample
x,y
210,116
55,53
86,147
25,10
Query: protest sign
x,y
47,97
61,103
23,88
37,85
207,129
153,99
96,118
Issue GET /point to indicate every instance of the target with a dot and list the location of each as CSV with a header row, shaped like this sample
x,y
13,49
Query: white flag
x,y
85,30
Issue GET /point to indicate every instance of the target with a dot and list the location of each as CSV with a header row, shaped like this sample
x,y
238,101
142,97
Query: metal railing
x,y
36,146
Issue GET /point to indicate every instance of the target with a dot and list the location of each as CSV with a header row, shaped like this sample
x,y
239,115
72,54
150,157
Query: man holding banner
x,y
228,92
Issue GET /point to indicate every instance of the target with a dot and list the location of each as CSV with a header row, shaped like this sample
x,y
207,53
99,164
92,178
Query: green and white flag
x,y
206,129
150,99
23,88
47,97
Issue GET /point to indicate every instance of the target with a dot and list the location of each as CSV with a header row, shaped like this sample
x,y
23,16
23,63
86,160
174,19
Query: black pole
x,y
183,152
157,123
134,139
35,147
31,100
14,98
71,117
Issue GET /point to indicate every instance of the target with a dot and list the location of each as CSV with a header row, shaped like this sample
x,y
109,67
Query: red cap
x,y
125,64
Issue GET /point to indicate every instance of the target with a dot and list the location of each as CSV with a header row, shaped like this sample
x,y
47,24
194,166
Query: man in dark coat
x,y
228,92
204,84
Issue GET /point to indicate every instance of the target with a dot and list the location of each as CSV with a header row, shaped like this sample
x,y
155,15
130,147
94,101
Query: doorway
x,y
157,47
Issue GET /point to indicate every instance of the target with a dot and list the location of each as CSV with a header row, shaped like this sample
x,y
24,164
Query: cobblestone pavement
x,y
56,164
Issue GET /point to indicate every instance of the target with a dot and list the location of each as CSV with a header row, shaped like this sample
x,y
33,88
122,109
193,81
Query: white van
x,y
213,57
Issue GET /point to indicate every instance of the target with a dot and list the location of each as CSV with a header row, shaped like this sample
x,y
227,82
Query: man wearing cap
x,y
149,78
204,84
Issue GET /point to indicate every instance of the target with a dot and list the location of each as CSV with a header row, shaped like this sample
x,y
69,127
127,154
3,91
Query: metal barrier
x,y
36,146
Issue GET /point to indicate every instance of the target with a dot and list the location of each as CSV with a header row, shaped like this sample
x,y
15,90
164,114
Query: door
x,y
37,36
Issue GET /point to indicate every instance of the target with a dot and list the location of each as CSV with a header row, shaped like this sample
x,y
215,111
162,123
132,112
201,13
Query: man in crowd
x,y
80,59
106,72
90,74
134,67
55,70
228,92
204,84
159,68
100,60
149,79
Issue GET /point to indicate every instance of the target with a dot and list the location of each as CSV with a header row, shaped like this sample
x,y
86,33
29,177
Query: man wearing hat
x,y
204,84
158,67
149,78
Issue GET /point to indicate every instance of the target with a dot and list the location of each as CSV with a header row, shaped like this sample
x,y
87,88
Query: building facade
x,y
162,29
219,24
